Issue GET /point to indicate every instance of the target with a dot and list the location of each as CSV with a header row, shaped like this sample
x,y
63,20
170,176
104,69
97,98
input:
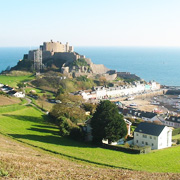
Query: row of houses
x,y
165,119
146,116
102,92
10,91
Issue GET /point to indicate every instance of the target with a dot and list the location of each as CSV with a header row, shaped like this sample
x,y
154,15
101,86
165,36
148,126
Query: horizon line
x,y
98,46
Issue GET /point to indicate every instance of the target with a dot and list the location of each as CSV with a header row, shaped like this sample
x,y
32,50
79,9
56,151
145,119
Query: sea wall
x,y
145,95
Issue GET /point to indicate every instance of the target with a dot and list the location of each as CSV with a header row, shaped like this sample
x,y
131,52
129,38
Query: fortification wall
x,y
31,54
98,68
53,47
67,56
57,47
110,77
46,54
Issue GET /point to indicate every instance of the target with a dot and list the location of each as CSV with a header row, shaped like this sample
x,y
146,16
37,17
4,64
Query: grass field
x,y
29,125
176,137
12,81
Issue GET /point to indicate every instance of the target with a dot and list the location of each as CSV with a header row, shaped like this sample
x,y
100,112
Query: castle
x,y
64,53
69,62
55,50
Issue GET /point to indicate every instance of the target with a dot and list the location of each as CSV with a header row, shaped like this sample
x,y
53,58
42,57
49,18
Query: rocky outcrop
x,y
97,68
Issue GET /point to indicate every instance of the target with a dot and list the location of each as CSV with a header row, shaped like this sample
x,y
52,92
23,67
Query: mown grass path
x,y
30,125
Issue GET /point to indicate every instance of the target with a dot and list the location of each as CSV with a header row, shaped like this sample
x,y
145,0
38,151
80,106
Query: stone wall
x,y
67,56
31,54
110,77
56,47
99,68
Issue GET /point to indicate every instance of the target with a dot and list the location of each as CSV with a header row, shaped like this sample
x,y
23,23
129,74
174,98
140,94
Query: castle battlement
x,y
56,47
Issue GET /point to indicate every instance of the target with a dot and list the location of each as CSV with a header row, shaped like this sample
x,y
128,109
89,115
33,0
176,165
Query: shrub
x,y
77,133
178,141
176,132
3,173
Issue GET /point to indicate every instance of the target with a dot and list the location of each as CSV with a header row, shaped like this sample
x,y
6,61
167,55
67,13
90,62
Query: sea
x,y
161,64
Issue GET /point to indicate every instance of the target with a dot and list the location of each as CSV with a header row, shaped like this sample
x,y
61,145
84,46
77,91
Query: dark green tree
x,y
107,123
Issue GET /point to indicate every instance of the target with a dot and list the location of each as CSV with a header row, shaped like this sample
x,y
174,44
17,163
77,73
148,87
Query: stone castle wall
x,y
53,47
56,47
67,56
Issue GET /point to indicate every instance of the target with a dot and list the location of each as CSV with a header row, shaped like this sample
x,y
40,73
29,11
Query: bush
x,y
178,141
176,132
3,173
77,133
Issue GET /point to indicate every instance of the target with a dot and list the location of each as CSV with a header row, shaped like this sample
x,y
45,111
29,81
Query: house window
x,y
150,137
136,141
137,134
144,136
142,142
146,143
152,144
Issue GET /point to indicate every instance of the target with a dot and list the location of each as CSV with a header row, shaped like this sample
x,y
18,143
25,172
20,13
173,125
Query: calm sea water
x,y
160,64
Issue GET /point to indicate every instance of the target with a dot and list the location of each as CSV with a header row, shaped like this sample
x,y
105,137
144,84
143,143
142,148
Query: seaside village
x,y
155,130
136,101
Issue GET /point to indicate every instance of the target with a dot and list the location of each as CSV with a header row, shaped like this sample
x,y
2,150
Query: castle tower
x,y
38,60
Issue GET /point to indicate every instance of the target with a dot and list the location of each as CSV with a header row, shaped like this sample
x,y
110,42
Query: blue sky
x,y
90,22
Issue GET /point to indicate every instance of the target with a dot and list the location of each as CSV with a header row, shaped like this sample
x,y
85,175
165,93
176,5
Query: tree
x,y
89,107
67,114
107,123
21,85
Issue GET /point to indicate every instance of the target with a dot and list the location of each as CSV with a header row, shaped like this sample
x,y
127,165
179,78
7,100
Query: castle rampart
x,y
56,47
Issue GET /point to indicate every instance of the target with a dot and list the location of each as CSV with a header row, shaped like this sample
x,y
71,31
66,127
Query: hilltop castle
x,y
64,53
63,57
55,50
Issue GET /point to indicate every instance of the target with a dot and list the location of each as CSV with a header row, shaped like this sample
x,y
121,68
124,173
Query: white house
x,y
1,85
154,135
19,95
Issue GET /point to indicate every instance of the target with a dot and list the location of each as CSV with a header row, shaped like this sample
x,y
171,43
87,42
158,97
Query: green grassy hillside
x,y
29,125
14,80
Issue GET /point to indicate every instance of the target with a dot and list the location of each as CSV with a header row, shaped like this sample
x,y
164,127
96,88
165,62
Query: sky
x,y
90,22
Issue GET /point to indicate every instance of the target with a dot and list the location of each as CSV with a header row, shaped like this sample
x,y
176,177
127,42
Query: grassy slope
x,y
29,126
19,161
13,80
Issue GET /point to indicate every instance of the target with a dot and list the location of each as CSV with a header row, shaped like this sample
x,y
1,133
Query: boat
x,y
155,103
130,98
133,104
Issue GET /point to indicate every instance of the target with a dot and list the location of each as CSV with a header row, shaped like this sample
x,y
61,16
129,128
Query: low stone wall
x,y
140,150
141,96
